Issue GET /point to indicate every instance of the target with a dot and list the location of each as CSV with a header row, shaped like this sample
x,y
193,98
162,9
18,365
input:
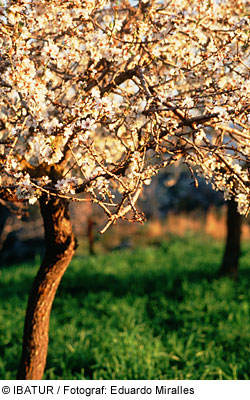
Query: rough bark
x,y
231,256
60,247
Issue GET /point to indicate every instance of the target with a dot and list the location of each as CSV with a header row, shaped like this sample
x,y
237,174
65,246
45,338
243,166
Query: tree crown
x,y
97,96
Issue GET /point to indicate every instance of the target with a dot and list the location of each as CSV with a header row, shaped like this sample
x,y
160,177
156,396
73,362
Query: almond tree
x,y
96,96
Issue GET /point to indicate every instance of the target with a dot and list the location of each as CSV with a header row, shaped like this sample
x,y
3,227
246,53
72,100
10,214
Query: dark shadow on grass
x,y
167,282
18,287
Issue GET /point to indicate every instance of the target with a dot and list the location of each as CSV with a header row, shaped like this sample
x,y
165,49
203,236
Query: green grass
x,y
157,312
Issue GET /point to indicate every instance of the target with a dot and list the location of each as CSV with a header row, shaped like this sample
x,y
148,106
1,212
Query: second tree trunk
x,y
231,256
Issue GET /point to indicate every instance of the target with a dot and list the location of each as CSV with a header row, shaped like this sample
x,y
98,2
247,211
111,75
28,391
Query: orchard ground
x,y
155,311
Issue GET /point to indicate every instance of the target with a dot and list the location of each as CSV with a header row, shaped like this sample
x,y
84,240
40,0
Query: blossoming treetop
x,y
97,96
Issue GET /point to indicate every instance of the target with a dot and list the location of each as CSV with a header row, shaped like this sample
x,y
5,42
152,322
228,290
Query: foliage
x,y
97,96
151,313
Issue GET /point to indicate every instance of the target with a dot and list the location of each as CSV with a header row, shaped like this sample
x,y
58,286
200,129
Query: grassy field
x,y
157,312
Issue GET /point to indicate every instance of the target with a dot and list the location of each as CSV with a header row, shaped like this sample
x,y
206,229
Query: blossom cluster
x,y
66,185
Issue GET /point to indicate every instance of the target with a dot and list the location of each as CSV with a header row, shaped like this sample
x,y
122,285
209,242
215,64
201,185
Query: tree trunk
x,y
60,248
91,239
4,215
231,256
